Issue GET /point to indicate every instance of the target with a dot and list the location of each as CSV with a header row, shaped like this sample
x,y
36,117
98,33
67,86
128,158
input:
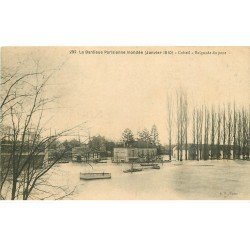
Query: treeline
x,y
203,132
144,138
106,146
145,135
96,143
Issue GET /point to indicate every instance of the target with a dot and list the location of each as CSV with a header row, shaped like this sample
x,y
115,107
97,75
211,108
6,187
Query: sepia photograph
x,y
125,123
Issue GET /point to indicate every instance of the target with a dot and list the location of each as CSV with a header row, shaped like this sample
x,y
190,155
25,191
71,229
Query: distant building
x,y
85,154
5,132
20,153
135,151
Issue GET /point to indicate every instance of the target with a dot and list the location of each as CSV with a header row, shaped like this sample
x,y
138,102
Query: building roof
x,y
137,144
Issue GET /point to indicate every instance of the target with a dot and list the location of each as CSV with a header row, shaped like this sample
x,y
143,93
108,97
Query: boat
x,y
95,176
166,161
156,166
150,165
131,170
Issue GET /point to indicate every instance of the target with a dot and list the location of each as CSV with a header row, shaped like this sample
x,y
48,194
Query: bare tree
x,y
197,134
178,121
218,147
199,126
214,123
186,121
239,135
24,163
229,129
194,134
224,133
234,132
245,134
182,123
169,122
206,134
214,130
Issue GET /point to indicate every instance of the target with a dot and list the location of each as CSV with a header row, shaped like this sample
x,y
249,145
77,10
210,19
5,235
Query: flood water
x,y
223,179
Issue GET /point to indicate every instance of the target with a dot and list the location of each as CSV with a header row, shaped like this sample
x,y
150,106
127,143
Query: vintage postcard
x,y
127,123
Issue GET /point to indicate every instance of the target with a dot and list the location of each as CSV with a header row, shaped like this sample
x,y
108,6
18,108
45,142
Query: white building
x,y
137,150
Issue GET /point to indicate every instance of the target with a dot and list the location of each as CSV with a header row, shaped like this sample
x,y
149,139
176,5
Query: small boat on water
x,y
166,161
156,166
95,176
150,165
131,170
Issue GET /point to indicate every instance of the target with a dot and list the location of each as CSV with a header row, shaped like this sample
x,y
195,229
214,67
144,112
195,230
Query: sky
x,y
112,92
